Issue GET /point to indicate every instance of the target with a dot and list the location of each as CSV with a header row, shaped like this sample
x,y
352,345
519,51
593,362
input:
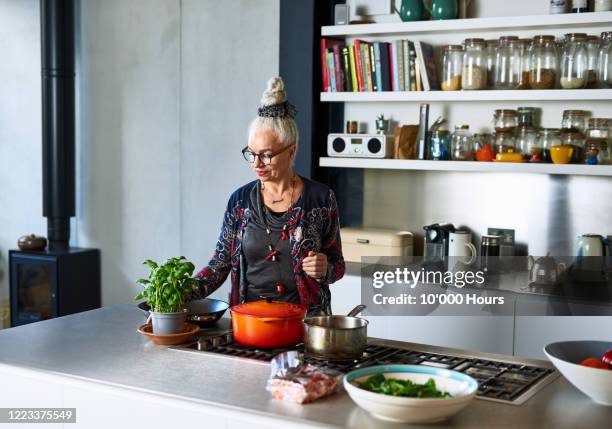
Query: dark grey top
x,y
262,275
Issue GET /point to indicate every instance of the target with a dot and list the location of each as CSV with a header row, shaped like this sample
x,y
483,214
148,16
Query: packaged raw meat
x,y
293,380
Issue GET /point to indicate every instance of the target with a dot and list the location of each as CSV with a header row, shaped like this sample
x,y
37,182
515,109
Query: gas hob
x,y
511,381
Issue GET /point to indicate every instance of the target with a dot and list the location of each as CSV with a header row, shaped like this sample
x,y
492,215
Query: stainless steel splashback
x,y
547,211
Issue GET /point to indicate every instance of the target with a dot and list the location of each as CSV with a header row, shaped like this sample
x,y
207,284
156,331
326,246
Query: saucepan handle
x,y
355,311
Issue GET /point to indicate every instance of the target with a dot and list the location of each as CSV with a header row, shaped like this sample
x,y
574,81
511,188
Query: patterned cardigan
x,y
314,225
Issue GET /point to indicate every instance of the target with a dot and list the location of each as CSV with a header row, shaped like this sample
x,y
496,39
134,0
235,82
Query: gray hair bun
x,y
274,93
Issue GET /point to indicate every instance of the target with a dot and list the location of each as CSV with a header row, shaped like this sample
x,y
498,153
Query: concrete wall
x,y
20,129
166,89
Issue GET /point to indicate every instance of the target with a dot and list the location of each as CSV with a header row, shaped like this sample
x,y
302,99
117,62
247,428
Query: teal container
x,y
411,10
444,9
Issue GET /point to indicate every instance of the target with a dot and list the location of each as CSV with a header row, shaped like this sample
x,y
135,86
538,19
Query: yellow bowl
x,y
561,154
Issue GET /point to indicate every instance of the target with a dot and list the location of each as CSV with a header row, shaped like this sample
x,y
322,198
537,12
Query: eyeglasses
x,y
264,158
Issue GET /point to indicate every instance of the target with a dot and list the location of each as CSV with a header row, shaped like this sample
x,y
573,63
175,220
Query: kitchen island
x,y
97,363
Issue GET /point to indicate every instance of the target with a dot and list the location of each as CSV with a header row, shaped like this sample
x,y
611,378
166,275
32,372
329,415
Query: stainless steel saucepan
x,y
336,337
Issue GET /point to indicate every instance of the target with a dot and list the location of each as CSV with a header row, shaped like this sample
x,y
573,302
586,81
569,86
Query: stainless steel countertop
x,y
103,346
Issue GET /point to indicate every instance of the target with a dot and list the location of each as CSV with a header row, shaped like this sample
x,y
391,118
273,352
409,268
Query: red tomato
x,y
606,358
593,363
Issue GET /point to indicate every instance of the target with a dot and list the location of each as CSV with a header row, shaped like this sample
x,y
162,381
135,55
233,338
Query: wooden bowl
x,y
168,339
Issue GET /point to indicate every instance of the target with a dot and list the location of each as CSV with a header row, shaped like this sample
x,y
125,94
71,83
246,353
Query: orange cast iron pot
x,y
268,324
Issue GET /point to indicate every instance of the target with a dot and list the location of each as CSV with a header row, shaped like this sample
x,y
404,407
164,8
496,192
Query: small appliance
x,y
358,243
436,240
341,14
360,145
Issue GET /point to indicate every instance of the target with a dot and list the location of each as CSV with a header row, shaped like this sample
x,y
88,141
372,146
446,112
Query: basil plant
x,y
168,285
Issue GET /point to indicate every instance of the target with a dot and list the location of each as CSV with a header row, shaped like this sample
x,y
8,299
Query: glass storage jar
x,y
452,60
505,142
474,69
544,63
576,141
505,119
574,61
597,143
602,5
439,145
527,143
491,52
605,60
547,138
574,120
461,146
526,116
592,45
525,47
508,63
483,147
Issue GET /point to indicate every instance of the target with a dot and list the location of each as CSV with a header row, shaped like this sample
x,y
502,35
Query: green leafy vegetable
x,y
396,387
168,285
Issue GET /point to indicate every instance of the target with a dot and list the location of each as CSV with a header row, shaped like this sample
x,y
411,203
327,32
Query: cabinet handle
x,y
363,241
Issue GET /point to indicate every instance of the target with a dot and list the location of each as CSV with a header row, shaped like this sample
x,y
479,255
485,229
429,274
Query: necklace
x,y
263,187
272,252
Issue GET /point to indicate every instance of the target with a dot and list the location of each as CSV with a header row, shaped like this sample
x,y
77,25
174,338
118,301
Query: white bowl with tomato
x,y
585,364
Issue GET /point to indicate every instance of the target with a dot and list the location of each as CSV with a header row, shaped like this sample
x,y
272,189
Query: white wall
x,y
20,129
166,89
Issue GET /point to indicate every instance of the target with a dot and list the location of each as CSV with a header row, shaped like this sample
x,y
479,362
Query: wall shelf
x,y
534,22
467,166
460,96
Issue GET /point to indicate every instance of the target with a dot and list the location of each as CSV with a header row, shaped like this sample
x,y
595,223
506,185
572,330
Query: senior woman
x,y
280,235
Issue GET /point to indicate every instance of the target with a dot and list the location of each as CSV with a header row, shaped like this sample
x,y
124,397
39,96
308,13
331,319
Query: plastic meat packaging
x,y
293,380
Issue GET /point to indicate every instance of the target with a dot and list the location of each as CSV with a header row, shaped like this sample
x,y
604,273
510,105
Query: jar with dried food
x,y
525,47
547,138
574,120
544,63
461,146
605,60
491,53
592,45
574,61
452,61
505,119
576,141
527,143
508,63
505,142
474,69
597,144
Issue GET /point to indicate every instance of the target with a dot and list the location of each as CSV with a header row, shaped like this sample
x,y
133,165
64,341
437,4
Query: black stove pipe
x,y
58,126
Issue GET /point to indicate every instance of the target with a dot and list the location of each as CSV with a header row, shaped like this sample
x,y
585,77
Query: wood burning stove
x,y
60,280
52,284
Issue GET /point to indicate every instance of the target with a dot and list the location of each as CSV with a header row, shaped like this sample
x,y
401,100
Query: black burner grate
x,y
496,380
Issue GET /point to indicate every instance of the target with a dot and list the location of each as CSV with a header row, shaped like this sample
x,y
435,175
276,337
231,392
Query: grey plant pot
x,y
168,323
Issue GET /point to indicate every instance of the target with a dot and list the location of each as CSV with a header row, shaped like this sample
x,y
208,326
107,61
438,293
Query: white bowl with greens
x,y
410,393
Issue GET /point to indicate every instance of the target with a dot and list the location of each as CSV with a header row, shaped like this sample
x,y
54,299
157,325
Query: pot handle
x,y
355,311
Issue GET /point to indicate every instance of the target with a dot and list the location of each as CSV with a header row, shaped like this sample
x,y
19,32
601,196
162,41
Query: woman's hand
x,y
315,264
